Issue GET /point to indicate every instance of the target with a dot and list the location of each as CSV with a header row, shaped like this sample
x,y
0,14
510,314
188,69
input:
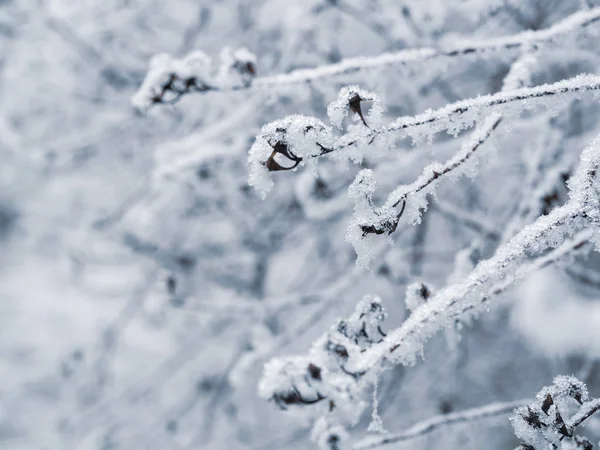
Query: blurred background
x,y
143,284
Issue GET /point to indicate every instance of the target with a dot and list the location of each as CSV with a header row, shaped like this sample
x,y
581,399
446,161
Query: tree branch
x,y
455,116
527,39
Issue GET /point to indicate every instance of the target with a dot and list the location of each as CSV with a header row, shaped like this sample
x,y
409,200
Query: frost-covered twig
x,y
299,139
549,420
385,218
166,80
430,425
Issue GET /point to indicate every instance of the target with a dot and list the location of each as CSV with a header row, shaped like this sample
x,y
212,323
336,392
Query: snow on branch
x,y
549,421
430,425
169,78
379,220
525,40
346,361
288,143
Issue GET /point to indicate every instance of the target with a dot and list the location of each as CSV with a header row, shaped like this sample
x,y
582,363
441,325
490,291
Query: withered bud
x,y
171,284
314,371
583,443
354,104
338,349
547,403
533,419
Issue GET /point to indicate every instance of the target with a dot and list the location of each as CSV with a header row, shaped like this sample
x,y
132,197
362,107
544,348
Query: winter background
x,y
144,284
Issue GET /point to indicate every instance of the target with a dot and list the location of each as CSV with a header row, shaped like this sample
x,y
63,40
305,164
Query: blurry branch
x,y
468,218
359,17
430,425
544,185
529,40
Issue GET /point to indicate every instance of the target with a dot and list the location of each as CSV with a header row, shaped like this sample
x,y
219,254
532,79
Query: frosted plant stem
x,y
525,40
445,117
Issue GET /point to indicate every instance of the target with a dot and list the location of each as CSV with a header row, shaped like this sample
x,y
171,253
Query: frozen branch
x,y
157,89
298,139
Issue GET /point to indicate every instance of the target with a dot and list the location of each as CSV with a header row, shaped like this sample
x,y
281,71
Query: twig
x,y
430,425
463,114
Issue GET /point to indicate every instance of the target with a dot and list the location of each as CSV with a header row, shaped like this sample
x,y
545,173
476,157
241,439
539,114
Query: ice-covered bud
x,y
367,220
416,295
361,191
363,326
370,310
338,348
160,73
569,386
238,67
244,61
283,145
169,78
329,435
290,382
349,99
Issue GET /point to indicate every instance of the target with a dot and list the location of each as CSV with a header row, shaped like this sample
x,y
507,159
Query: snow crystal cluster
x,y
551,420
169,78
324,379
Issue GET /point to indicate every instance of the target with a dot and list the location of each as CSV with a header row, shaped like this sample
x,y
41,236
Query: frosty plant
x,y
555,415
331,383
